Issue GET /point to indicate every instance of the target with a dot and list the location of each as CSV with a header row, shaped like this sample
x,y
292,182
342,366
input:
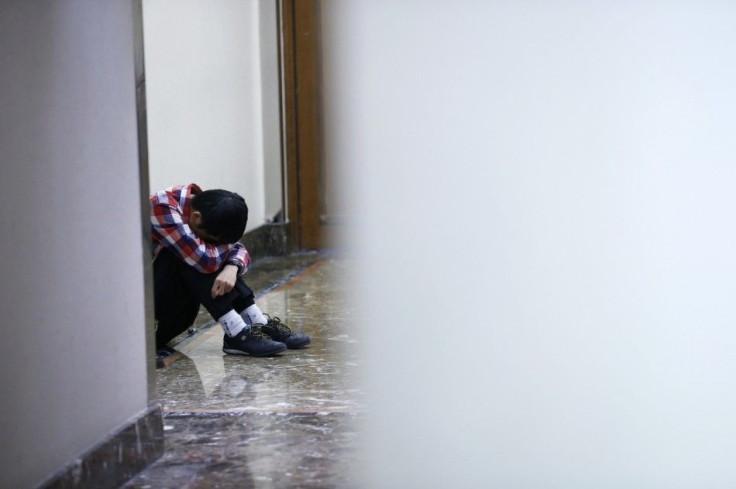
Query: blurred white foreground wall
x,y
73,366
546,202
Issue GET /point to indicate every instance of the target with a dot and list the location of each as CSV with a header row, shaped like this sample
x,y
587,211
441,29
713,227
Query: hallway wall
x,y
213,98
545,198
72,355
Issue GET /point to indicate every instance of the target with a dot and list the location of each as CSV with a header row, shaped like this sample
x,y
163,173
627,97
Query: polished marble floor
x,y
286,421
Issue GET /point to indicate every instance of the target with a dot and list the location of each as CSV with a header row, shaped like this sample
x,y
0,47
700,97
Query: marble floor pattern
x,y
276,422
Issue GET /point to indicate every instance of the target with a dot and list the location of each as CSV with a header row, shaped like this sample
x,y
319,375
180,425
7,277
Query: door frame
x,y
302,121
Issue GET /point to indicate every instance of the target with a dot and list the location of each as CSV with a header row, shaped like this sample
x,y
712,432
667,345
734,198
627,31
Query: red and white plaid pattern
x,y
170,209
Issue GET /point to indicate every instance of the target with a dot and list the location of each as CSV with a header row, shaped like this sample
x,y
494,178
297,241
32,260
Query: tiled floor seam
x,y
237,412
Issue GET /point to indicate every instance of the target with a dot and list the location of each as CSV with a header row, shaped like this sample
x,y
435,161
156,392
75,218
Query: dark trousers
x,y
179,290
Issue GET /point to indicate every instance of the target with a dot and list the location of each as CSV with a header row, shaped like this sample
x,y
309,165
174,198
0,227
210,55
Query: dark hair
x,y
224,214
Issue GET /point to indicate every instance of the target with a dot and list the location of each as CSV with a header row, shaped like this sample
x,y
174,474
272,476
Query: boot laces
x,y
254,332
276,323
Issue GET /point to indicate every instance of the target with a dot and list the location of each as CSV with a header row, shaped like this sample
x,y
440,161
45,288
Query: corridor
x,y
284,421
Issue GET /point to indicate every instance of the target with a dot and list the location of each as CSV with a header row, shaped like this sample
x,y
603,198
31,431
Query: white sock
x,y
232,323
253,315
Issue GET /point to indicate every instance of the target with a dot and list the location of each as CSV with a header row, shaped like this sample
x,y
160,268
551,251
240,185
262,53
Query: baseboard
x,y
267,240
118,458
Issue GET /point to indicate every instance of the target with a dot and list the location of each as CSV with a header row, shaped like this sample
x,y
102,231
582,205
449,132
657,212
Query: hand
x,y
225,281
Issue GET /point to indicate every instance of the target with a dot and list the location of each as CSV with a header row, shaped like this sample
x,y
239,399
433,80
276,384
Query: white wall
x,y
270,106
210,119
547,243
72,356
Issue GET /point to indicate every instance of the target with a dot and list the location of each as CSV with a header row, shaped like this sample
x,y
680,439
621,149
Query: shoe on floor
x,y
278,331
252,341
162,354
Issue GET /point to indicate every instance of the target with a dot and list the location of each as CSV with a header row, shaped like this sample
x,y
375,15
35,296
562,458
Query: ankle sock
x,y
232,323
253,315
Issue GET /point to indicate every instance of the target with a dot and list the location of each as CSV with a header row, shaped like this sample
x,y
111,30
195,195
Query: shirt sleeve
x,y
240,254
178,237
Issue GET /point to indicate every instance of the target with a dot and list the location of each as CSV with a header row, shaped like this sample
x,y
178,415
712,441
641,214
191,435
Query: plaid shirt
x,y
170,209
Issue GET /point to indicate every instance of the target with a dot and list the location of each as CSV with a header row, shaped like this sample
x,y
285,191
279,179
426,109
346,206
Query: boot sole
x,y
300,345
231,351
